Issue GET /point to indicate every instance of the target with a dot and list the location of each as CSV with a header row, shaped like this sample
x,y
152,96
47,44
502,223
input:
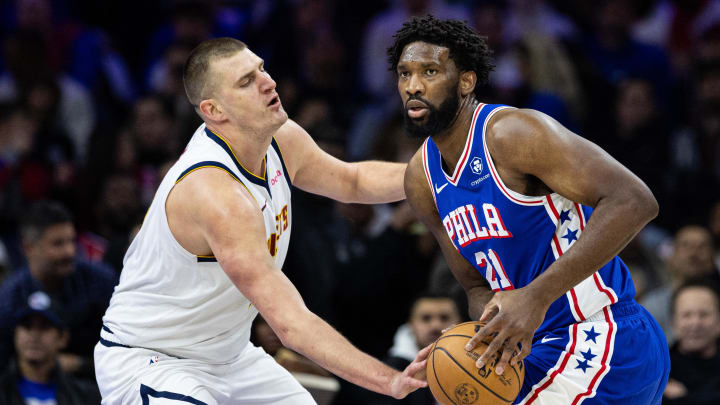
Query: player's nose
x,y
414,86
267,84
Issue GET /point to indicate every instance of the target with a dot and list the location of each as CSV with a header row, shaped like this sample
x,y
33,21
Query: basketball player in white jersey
x,y
209,253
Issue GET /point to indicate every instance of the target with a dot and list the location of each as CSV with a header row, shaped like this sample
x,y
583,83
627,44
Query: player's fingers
x,y
448,328
489,312
508,347
526,345
415,367
481,333
422,354
492,349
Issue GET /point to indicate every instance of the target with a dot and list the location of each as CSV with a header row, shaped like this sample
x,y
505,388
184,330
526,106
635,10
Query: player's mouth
x,y
416,109
274,103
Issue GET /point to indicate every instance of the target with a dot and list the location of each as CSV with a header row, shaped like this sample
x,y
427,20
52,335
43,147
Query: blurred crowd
x,y
93,112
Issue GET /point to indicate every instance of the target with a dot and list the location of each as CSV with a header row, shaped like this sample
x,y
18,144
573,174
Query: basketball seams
x,y
436,377
468,373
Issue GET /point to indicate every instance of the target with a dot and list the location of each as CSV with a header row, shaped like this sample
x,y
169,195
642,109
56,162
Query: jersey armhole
x,y
198,166
213,164
282,160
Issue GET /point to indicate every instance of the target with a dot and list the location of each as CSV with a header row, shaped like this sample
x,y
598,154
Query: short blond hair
x,y
196,70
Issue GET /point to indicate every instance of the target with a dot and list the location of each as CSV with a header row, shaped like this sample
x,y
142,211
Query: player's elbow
x,y
293,327
644,206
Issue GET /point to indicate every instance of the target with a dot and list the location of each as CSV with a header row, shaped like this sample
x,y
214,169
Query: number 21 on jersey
x,y
494,271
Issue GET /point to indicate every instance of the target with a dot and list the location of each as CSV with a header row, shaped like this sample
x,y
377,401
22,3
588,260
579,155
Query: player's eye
x,y
247,81
431,72
404,74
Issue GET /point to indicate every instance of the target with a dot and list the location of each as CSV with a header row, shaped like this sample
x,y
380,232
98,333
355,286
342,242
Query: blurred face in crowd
x,y
243,93
52,253
428,83
693,253
151,124
635,105
696,319
430,316
38,341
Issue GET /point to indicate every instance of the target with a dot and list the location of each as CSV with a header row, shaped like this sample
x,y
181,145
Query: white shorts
x,y
129,375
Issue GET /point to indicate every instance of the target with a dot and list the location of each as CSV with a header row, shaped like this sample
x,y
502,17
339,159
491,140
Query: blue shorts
x,y
617,356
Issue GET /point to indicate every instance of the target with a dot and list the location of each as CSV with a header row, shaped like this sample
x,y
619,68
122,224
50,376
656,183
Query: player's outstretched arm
x,y
230,222
526,143
420,199
316,171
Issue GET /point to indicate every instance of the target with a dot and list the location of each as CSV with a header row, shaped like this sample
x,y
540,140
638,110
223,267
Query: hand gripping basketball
x,y
453,377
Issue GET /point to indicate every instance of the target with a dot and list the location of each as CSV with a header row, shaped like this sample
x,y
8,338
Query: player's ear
x,y
211,109
468,79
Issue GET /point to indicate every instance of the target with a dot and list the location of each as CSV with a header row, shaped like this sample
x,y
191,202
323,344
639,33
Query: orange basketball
x,y
454,379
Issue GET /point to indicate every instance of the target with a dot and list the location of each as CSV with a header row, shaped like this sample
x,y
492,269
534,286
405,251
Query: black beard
x,y
438,118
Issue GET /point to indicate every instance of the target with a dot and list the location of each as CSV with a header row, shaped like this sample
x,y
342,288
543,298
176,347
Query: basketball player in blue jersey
x,y
530,218
208,255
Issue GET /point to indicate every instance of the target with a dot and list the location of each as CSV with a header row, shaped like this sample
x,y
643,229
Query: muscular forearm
x,y
326,347
612,225
379,182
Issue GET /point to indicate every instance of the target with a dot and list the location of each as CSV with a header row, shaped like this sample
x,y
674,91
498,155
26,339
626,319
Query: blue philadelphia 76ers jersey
x,y
511,238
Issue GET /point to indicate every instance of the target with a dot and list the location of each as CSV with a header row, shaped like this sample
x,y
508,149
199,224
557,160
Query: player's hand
x,y
412,378
513,316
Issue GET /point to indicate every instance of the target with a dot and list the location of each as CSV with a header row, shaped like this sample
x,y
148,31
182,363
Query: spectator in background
x,y
695,149
535,18
154,141
17,139
34,377
69,104
165,80
695,358
677,26
693,256
537,73
616,56
638,137
714,226
191,22
84,291
429,316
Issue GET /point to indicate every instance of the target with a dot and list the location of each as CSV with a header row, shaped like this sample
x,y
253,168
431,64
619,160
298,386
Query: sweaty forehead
x,y
423,52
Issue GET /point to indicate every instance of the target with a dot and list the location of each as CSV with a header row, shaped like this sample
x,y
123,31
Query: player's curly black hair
x,y
467,48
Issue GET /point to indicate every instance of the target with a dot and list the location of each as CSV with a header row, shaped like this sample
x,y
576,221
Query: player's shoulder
x,y
511,122
213,183
512,129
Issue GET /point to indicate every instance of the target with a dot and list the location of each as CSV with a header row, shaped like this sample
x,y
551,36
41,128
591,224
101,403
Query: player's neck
x,y
249,147
451,142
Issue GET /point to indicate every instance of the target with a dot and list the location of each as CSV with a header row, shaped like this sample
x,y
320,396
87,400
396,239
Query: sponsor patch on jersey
x,y
476,165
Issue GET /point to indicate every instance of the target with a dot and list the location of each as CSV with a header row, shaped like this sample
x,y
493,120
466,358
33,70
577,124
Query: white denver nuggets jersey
x,y
174,302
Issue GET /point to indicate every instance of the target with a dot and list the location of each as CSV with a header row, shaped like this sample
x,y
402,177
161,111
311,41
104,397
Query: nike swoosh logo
x,y
439,189
546,339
